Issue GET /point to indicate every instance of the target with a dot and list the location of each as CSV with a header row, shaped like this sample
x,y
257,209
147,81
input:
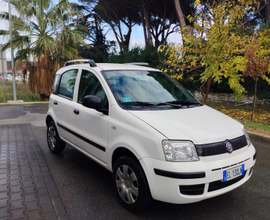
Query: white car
x,y
8,77
151,133
19,78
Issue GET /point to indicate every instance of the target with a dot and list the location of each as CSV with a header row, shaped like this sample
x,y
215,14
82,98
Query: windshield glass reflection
x,y
137,87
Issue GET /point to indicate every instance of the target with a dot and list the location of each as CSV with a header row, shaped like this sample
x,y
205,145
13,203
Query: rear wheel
x,y
131,184
55,144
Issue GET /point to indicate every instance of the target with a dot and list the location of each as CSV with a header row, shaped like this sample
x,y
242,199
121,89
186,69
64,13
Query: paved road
x,y
87,192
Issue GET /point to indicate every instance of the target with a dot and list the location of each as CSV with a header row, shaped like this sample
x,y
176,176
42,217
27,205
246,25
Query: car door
x,y
63,106
91,125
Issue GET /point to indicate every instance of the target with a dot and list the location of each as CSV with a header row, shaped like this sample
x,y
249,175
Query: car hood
x,y
198,124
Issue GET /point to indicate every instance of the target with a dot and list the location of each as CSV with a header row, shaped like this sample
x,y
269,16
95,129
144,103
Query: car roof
x,y
111,66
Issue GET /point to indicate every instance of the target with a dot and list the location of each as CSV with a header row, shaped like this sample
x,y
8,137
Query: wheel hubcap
x,y
127,184
51,137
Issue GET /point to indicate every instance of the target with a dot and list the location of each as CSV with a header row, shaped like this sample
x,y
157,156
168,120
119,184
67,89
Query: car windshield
x,y
139,89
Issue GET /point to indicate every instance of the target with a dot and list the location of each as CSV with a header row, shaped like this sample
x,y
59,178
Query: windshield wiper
x,y
170,104
175,104
186,102
138,103
180,104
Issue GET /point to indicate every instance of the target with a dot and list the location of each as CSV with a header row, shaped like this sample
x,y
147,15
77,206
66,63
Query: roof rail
x,y
142,64
91,62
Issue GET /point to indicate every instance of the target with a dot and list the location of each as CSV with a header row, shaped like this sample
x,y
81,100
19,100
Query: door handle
x,y
76,111
55,103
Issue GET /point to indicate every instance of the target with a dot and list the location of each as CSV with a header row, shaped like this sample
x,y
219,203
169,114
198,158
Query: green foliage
x,y
138,54
218,48
99,48
263,88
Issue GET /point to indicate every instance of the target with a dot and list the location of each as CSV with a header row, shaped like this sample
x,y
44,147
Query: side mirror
x,y
92,101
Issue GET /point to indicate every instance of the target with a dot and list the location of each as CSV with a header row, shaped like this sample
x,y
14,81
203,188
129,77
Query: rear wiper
x,y
138,103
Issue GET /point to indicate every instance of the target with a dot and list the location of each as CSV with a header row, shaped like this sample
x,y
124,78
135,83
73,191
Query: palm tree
x,y
46,34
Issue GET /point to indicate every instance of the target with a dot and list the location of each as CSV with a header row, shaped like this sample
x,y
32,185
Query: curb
x,y
23,103
263,137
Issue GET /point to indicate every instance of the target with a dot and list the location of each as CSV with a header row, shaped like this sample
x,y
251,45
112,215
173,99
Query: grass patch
x,y
22,90
256,125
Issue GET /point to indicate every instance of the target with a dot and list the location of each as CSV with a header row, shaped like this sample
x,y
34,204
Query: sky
x,y
137,37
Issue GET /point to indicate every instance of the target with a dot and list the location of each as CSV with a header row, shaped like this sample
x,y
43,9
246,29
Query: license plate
x,y
233,173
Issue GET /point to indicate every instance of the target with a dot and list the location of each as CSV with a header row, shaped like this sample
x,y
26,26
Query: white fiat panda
x,y
151,133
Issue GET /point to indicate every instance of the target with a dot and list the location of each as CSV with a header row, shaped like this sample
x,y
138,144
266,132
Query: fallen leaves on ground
x,y
262,117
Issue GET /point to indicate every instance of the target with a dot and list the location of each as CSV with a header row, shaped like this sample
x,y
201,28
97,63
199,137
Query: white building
x,y
3,62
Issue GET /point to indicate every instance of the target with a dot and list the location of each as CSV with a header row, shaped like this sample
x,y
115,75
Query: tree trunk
x,y
254,101
267,13
127,38
144,28
147,24
204,96
41,77
180,14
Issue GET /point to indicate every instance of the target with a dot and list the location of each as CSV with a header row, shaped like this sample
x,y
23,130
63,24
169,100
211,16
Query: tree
x,y
163,17
183,10
163,21
257,62
46,34
98,48
180,13
158,18
143,7
215,48
118,14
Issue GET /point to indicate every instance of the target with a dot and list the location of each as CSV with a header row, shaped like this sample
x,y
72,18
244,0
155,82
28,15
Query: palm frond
x,y
49,35
44,44
4,32
4,16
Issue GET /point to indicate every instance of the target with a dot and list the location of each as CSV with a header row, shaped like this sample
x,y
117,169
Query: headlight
x,y
247,137
179,151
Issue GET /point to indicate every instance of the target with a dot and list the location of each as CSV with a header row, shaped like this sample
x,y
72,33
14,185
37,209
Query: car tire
x,y
131,185
55,144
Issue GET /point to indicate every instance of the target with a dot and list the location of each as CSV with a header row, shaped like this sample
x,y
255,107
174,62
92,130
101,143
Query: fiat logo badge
x,y
229,146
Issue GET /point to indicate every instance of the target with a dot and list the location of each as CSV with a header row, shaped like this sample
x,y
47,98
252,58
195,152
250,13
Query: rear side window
x,y
67,83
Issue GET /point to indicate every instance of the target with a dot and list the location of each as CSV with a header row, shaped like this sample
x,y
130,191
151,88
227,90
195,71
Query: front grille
x,y
216,185
204,150
192,190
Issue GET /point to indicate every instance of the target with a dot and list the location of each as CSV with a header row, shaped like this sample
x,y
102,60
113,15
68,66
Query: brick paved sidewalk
x,y
27,190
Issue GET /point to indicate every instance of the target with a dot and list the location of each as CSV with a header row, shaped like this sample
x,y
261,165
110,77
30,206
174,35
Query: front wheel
x,y
55,144
131,184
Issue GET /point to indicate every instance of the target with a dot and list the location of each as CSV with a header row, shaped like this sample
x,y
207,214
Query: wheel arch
x,y
147,196
120,152
49,119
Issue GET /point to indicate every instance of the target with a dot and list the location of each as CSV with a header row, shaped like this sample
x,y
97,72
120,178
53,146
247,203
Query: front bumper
x,y
188,182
